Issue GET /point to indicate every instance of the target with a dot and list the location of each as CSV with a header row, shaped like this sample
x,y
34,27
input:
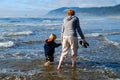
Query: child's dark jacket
x,y
50,46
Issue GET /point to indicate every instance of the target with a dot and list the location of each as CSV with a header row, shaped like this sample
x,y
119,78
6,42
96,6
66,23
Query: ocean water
x,y
22,54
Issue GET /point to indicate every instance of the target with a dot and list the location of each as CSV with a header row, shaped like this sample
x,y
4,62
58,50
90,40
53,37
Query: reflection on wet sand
x,y
35,70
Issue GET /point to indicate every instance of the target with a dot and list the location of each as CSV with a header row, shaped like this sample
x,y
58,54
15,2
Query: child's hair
x,y
52,37
71,12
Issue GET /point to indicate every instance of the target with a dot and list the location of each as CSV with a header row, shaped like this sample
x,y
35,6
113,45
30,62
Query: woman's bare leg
x,y
60,63
73,61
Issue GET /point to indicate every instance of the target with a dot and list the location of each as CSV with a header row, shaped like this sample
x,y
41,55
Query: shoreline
x,y
35,70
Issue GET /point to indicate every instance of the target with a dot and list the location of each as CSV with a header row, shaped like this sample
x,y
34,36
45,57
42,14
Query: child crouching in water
x,y
49,49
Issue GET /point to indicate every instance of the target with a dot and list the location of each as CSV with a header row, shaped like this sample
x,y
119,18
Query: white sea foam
x,y
6,44
93,35
30,24
46,21
50,28
101,34
113,33
18,55
13,71
51,21
111,42
20,33
114,43
6,70
94,19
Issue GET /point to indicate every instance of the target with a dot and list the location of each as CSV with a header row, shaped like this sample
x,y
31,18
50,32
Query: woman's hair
x,y
52,37
71,12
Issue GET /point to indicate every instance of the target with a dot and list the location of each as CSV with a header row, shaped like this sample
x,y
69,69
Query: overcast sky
x,y
37,8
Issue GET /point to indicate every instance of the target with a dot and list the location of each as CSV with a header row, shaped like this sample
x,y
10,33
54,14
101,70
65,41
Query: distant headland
x,y
91,11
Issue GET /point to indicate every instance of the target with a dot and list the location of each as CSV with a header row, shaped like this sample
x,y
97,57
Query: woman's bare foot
x,y
74,68
59,67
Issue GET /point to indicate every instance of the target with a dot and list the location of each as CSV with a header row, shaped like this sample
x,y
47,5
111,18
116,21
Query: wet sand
x,y
35,70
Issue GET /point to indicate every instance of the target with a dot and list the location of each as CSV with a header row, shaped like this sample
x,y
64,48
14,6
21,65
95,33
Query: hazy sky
x,y
37,8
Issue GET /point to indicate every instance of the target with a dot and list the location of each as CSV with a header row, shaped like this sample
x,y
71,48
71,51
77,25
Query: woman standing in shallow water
x,y
70,28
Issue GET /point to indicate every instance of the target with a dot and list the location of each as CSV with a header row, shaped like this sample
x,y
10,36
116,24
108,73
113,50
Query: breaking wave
x,y
30,24
22,55
6,44
20,33
111,42
101,34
